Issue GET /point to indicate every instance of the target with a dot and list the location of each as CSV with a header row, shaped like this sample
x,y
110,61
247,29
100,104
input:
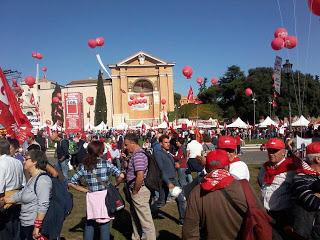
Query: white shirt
x,y
239,170
195,148
11,174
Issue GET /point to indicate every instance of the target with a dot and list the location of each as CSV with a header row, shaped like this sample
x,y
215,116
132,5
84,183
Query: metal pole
x,y
254,109
290,116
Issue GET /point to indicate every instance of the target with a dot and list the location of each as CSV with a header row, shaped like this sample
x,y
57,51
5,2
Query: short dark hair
x,y
14,143
34,147
163,137
180,140
132,137
206,138
39,157
193,137
4,147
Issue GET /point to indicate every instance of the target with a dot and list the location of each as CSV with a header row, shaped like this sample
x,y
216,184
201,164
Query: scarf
x,y
271,171
216,179
306,169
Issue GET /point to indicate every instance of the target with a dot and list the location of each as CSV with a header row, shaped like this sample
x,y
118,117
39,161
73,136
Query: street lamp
x,y
287,70
254,109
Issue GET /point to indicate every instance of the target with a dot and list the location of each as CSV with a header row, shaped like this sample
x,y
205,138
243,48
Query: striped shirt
x,y
276,196
303,193
137,162
102,170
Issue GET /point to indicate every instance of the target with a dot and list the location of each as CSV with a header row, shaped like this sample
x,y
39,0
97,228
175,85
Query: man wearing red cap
x,y
306,190
208,206
237,168
275,179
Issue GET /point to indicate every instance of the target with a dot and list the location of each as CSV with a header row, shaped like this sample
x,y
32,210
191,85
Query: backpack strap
x,y
233,204
35,183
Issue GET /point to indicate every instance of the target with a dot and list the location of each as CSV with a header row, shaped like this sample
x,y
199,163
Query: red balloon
x,y
163,101
314,6
30,81
290,42
145,100
214,81
92,43
89,100
100,41
248,92
130,103
135,101
55,100
58,95
142,95
131,97
44,69
199,80
277,44
34,54
39,56
281,33
187,72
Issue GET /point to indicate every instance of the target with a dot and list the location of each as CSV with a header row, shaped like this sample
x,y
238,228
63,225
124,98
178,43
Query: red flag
x,y
11,116
32,99
190,95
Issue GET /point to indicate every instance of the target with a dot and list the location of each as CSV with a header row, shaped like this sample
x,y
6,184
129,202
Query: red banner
x,y
73,112
11,116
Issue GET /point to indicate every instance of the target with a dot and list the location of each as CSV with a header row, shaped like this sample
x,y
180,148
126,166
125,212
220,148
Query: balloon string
x,y
282,23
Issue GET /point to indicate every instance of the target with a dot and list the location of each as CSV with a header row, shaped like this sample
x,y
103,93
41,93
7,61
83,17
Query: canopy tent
x,y
162,125
238,123
141,123
301,122
88,127
101,126
267,122
121,126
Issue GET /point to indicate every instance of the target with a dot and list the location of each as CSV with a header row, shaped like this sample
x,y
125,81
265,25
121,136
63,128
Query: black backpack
x,y
61,204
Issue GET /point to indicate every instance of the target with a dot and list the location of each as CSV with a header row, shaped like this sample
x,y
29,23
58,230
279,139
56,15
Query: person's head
x,y
56,136
193,137
229,144
164,142
95,150
131,142
206,138
4,147
217,159
30,137
14,145
313,153
35,159
276,150
180,141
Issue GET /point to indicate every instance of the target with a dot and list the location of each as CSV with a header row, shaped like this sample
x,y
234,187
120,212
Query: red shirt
x,y
180,158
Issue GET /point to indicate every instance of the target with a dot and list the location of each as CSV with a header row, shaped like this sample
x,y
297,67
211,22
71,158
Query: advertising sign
x,y
277,74
73,112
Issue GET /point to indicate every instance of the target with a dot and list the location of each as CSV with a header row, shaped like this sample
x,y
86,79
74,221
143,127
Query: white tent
x,y
162,125
101,126
139,125
238,123
88,127
267,122
301,122
121,126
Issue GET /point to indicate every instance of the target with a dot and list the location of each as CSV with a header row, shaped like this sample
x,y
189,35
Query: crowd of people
x,y
201,170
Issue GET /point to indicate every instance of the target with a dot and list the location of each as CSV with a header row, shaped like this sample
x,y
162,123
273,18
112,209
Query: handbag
x,y
114,201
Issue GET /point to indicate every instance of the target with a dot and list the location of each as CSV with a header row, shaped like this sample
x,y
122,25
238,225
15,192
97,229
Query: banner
x,y
277,74
190,95
73,112
11,116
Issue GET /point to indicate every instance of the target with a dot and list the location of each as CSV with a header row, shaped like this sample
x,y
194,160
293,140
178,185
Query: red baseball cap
x,y
275,143
227,142
217,159
313,148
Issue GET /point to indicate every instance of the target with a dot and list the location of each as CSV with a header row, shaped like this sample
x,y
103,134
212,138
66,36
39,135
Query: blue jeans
x,y
89,230
63,167
183,179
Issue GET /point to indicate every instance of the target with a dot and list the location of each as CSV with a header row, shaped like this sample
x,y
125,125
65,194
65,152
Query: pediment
x,y
141,58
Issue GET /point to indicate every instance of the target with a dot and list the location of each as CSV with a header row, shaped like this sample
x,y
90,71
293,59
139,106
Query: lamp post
x,y
254,109
287,70
270,104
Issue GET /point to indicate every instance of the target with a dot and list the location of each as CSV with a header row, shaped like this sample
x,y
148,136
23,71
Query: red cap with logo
x,y
217,159
275,143
227,142
313,148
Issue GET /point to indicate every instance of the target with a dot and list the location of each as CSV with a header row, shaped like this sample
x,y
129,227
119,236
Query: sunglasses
x,y
273,151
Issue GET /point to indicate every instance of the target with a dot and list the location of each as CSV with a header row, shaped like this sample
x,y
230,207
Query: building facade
x,y
139,77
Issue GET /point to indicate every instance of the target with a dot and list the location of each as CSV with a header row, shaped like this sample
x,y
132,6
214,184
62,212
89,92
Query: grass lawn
x,y
167,228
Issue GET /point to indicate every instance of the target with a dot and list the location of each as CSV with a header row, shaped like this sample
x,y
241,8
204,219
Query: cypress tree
x,y
100,113
57,108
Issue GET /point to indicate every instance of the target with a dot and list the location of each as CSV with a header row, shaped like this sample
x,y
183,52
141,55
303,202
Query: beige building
x,y
140,77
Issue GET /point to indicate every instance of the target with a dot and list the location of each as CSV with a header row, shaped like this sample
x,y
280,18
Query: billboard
x,y
73,112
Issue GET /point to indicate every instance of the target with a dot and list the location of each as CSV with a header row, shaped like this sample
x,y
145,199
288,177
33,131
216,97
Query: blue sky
x,y
208,35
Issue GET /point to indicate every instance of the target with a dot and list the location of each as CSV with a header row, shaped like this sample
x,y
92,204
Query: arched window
x,y
142,86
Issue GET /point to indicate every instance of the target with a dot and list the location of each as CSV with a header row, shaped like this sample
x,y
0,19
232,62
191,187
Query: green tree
x,y
57,108
100,113
177,98
203,85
